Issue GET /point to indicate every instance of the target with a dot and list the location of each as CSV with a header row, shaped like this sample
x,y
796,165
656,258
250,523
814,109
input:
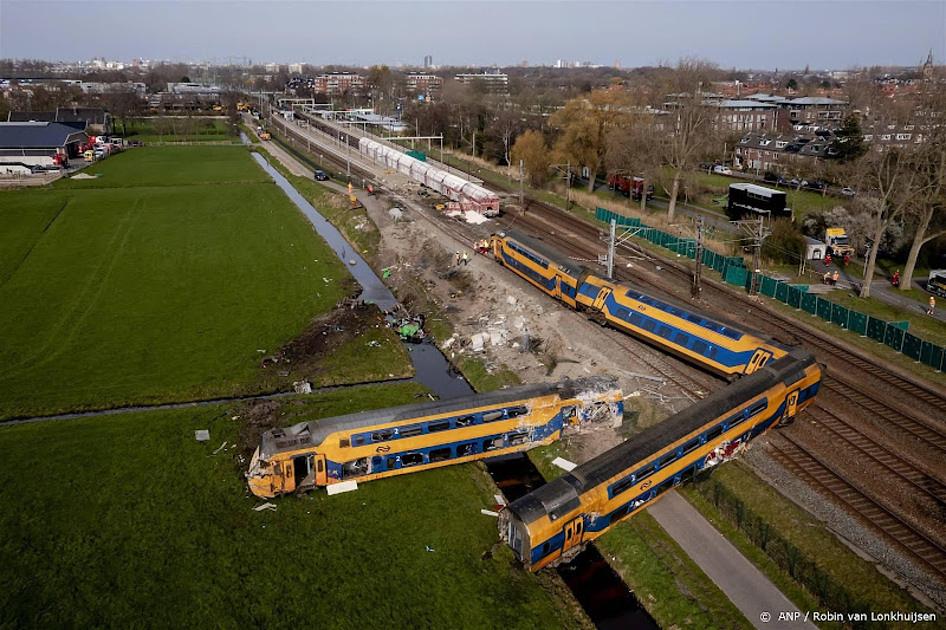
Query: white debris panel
x,y
470,196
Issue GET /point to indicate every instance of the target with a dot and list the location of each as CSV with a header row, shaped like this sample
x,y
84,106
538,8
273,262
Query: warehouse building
x,y
28,145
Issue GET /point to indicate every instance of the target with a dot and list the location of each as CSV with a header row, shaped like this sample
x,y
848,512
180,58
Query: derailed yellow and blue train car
x,y
387,442
717,347
553,522
528,259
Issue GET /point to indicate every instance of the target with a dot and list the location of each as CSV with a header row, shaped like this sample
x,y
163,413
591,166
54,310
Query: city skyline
x,y
732,34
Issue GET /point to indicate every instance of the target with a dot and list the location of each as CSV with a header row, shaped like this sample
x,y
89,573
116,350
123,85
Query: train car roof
x,y
547,251
311,433
562,494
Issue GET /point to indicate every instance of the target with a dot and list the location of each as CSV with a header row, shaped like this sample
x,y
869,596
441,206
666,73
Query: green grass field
x,y
169,129
127,521
161,280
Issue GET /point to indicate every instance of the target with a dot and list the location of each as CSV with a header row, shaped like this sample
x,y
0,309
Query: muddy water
x,y
600,591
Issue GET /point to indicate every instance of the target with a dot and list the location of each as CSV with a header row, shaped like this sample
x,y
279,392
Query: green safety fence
x,y
809,303
733,271
893,337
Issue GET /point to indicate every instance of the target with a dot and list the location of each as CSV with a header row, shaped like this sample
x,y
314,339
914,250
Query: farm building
x,y
24,145
95,120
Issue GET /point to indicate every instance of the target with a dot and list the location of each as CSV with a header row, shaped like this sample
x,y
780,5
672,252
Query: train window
x,y
407,432
439,454
680,339
700,346
355,468
392,462
664,331
492,416
492,444
465,421
545,549
578,526
358,440
714,433
734,419
691,445
319,465
648,324
412,459
517,438
620,513
756,408
713,351
514,412
381,436
666,459
568,412
464,450
433,427
343,443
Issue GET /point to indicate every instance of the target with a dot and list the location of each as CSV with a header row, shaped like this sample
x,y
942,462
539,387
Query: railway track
x,y
796,458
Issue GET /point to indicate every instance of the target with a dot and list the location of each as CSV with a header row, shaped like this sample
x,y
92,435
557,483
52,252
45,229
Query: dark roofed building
x,y
39,143
94,119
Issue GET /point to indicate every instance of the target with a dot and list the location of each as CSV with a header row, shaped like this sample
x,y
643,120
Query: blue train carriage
x,y
551,523
375,444
539,266
712,345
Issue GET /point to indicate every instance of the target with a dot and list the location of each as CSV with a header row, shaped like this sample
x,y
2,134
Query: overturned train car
x,y
552,523
375,444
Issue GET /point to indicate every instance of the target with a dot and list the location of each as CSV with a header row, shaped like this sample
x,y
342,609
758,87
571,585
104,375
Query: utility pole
x,y
611,241
521,189
697,288
474,144
568,185
755,230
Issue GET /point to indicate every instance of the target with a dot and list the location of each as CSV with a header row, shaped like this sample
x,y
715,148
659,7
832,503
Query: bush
x,y
786,243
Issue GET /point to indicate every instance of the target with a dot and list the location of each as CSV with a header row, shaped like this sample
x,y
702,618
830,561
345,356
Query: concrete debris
x,y
449,342
477,342
634,394
374,343
266,506
220,448
497,336
396,213
489,513
84,176
339,488
656,379
429,549
511,300
564,464
302,387
202,435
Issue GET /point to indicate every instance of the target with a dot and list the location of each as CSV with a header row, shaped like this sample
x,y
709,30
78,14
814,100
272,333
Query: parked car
x,y
848,192
771,177
321,175
719,169
817,184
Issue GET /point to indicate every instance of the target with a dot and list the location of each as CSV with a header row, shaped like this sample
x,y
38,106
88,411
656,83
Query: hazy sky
x,y
757,34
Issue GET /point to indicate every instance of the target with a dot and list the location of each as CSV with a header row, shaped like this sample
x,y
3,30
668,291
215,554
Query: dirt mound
x,y
255,419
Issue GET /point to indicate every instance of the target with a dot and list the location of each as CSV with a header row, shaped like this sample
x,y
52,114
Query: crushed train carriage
x,y
553,522
376,444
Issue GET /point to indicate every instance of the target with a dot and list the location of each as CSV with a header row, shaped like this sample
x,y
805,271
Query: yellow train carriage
x,y
551,523
533,262
710,344
375,444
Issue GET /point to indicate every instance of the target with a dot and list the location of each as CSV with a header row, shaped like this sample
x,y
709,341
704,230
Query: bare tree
x,y
928,209
690,128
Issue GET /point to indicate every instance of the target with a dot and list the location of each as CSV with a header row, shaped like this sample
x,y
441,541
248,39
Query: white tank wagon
x,y
470,196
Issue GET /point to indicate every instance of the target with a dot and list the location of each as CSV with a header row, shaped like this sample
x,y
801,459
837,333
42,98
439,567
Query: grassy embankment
x,y
132,521
159,281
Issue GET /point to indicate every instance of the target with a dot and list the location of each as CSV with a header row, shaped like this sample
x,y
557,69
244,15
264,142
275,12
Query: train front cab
x,y
287,472
545,274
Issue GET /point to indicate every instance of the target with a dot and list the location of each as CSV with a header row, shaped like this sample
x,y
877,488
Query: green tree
x,y
849,139
530,147
792,84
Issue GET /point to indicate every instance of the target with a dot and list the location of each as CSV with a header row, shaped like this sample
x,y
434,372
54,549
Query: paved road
x,y
746,586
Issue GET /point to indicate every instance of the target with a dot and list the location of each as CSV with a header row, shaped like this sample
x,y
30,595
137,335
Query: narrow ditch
x,y
601,592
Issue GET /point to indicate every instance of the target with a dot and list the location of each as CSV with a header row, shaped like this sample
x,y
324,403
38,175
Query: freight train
x,y
387,442
553,522
715,346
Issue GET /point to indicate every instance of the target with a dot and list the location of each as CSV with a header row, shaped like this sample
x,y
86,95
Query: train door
x,y
573,532
558,287
321,476
602,296
791,407
303,471
759,358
